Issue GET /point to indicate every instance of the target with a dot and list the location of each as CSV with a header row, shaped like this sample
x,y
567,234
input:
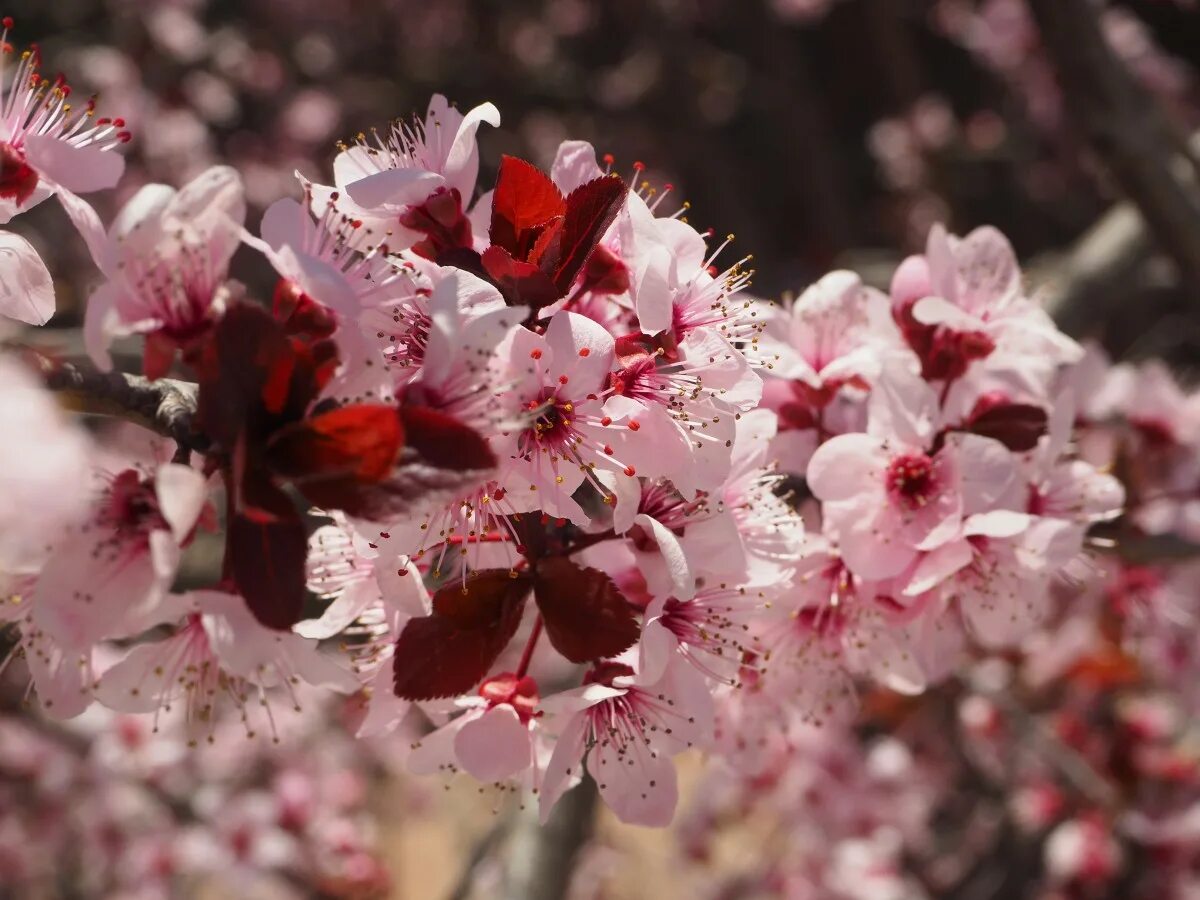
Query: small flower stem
x,y
527,653
946,391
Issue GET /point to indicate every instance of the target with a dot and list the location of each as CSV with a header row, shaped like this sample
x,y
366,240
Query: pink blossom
x,y
628,732
218,652
890,494
166,257
109,573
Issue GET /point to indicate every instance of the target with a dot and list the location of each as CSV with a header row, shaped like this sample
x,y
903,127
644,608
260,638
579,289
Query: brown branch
x,y
164,406
542,859
1146,155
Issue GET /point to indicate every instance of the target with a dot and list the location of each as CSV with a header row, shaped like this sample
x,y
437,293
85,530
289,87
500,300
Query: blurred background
x,y
822,133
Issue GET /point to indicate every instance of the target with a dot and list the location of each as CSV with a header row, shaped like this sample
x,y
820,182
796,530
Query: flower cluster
x,y
532,460
1060,770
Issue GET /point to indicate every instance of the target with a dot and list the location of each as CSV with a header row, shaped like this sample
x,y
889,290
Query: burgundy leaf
x,y
300,314
521,283
412,481
449,652
254,378
585,615
360,441
267,547
442,220
591,208
444,442
524,201
1018,426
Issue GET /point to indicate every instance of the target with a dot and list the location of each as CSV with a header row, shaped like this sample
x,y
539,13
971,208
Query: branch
x,y
1124,125
164,406
543,858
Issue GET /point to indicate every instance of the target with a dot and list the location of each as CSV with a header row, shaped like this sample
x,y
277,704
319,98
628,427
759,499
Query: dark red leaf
x,y
267,548
300,314
441,219
361,441
254,379
585,615
411,482
449,652
591,208
521,283
1018,426
524,201
158,355
444,442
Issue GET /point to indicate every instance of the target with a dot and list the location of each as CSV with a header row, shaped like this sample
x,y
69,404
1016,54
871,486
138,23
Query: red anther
x,y
104,120
608,159
712,270
562,379
402,572
585,351
545,518
499,493
119,122
607,420
8,22
635,425
124,137
535,354
608,449
356,223
334,196
668,186
630,471
639,166
521,549
385,535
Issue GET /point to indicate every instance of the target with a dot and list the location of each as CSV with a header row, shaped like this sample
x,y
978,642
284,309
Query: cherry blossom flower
x,y
218,651
628,732
890,495
110,572
165,257
48,146
417,180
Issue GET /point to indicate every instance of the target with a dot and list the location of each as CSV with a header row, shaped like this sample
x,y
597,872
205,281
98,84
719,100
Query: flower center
x,y
131,507
17,177
552,425
911,479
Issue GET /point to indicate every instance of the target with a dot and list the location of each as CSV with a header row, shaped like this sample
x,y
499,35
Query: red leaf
x,y
524,201
360,441
449,652
267,546
585,615
441,219
591,208
521,283
413,481
444,442
1018,426
300,314
254,379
